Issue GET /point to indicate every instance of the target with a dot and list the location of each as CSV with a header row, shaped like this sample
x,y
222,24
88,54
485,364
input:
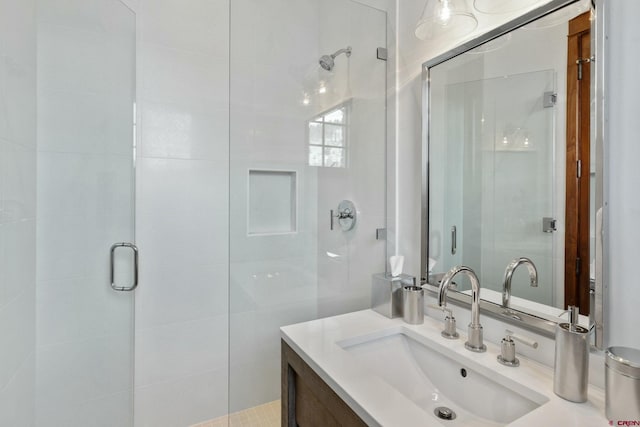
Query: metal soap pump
x,y
571,371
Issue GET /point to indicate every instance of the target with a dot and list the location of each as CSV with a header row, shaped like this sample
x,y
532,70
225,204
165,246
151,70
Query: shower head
x,y
327,61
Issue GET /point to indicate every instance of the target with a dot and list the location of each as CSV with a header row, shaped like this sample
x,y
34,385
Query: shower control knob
x,y
346,215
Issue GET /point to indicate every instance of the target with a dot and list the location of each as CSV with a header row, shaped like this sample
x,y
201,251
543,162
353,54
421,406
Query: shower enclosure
x,y
302,139
198,151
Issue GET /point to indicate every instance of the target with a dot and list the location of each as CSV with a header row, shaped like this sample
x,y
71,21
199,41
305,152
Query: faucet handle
x,y
508,348
449,330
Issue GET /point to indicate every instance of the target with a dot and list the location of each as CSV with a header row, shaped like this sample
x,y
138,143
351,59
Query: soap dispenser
x,y
571,371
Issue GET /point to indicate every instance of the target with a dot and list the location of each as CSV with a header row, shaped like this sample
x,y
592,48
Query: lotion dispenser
x,y
571,371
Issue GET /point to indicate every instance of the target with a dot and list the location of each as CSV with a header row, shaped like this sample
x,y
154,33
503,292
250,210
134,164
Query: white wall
x,y
182,211
17,212
621,90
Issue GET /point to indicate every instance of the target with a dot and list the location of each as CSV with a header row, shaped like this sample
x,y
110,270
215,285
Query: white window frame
x,y
319,119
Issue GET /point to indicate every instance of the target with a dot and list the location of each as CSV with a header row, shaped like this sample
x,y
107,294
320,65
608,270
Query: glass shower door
x,y
85,204
304,136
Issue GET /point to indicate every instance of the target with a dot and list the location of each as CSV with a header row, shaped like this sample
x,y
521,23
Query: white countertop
x,y
379,404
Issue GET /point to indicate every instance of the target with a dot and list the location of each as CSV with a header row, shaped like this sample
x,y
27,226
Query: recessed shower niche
x,y
272,202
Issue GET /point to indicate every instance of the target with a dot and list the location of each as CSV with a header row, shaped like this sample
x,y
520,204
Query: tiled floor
x,y
267,415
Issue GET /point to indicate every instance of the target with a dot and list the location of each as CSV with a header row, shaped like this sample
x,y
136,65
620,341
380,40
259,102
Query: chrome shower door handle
x,y
134,249
454,240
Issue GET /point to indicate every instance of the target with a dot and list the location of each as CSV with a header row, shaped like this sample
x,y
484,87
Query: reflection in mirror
x,y
509,168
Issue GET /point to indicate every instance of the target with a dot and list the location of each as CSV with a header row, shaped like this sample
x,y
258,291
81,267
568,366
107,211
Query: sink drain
x,y
444,413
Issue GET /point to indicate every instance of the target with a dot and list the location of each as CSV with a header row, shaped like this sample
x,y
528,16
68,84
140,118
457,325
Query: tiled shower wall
x,y
183,201
182,211
283,278
17,211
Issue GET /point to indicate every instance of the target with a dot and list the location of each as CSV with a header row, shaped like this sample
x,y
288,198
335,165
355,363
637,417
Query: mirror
x,y
511,164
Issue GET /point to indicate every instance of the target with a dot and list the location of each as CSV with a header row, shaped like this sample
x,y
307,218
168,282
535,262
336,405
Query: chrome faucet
x,y
474,341
508,275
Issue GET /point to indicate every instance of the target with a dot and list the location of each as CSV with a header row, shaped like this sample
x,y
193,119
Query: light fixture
x,y
498,7
445,18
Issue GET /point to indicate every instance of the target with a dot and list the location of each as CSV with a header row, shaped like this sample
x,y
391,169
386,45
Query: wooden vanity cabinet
x,y
307,401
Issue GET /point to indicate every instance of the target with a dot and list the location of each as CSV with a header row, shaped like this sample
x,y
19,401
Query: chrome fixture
x,y
134,249
622,381
327,61
449,331
508,275
454,240
387,293
346,215
571,362
508,348
444,413
474,341
549,225
445,17
413,304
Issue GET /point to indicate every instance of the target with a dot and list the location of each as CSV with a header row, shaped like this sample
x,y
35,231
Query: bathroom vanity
x,y
362,368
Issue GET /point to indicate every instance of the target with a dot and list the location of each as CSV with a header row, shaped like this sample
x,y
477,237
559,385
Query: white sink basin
x,y
433,376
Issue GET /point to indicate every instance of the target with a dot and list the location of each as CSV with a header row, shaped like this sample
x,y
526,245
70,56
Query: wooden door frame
x,y
577,239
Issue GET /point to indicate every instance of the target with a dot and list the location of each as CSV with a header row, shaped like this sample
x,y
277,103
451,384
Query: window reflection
x,y
328,139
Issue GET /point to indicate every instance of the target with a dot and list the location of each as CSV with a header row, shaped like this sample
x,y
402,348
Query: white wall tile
x,y
86,78
17,211
84,122
171,294
84,206
74,60
182,215
245,392
71,373
17,31
17,259
169,352
193,25
17,398
106,411
17,334
178,76
183,402
80,308
17,86
184,131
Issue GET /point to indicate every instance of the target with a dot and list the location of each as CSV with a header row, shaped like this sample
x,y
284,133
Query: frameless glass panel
x,y
85,203
304,121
